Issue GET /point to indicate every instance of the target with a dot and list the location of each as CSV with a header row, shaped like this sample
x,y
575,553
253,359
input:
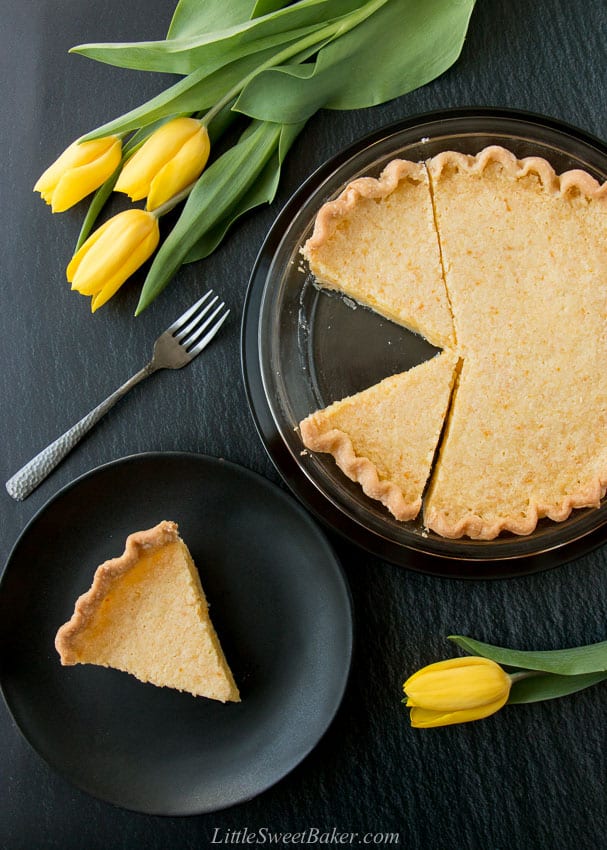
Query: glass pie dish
x,y
303,348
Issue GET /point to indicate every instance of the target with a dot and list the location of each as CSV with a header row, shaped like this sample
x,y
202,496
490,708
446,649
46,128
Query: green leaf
x,y
211,50
401,46
263,191
193,93
211,199
549,686
192,17
566,662
264,7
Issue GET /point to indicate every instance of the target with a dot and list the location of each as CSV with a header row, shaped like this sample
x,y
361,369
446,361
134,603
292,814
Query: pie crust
x,y
146,614
523,259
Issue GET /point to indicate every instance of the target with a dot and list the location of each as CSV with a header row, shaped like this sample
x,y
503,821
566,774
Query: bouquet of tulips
x,y
272,64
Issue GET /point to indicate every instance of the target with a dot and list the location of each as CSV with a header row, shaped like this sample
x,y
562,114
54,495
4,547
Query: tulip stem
x,y
522,674
172,202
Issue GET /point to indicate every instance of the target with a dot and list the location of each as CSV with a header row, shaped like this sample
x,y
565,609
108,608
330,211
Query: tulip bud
x,y
456,691
168,161
112,253
80,169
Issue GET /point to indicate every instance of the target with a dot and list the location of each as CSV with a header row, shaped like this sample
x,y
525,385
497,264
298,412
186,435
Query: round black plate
x,y
279,602
303,348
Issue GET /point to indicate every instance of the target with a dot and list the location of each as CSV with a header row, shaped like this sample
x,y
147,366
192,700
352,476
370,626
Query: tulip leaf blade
x,y
210,50
418,42
547,686
264,7
192,17
191,94
263,191
575,661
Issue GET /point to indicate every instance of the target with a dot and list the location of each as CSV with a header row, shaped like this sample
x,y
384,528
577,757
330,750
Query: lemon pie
x,y
522,259
146,614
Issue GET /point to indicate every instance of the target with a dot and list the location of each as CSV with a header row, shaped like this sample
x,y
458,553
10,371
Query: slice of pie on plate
x,y
385,437
377,244
146,614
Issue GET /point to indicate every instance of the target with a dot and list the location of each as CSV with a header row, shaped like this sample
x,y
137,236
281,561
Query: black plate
x,y
303,348
280,604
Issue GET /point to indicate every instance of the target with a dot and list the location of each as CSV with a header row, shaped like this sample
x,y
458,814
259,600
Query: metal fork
x,y
176,347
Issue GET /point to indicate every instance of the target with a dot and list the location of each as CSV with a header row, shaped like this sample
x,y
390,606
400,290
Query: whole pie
x,y
504,265
146,614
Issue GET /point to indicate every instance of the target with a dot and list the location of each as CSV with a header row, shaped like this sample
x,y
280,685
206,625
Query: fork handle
x,y
33,473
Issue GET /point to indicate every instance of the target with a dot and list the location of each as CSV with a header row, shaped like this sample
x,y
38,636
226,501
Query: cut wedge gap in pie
x,y
146,614
385,437
521,254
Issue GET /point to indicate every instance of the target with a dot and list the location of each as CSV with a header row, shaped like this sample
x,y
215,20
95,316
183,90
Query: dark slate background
x,y
529,777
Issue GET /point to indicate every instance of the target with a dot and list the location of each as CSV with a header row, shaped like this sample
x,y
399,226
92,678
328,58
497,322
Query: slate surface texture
x,y
529,777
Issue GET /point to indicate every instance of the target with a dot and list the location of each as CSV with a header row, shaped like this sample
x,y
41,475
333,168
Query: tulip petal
x,y
457,684
144,250
105,256
74,156
185,167
118,248
423,718
80,181
103,265
74,263
463,689
139,171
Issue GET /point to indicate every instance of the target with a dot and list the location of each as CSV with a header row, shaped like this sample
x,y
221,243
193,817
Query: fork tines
x,y
190,326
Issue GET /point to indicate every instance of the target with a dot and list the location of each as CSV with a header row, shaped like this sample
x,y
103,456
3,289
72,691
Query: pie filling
x,y
516,257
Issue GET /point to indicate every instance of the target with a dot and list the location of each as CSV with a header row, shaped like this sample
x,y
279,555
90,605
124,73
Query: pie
x,y
146,614
519,264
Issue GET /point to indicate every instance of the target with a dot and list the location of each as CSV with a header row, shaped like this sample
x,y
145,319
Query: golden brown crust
x,y
332,212
573,181
105,575
359,469
477,528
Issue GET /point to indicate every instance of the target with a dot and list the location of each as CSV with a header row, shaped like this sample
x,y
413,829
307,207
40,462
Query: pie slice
x,y
377,243
385,437
146,614
505,462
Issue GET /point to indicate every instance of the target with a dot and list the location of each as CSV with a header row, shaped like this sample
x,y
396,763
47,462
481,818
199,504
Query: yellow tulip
x,y
112,253
168,161
456,691
80,169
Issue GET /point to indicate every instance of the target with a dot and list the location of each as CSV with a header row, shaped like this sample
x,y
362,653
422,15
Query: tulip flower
x,y
80,169
112,253
456,691
172,158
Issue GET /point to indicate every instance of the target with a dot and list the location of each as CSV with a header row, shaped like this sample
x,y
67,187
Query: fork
x,y
175,348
